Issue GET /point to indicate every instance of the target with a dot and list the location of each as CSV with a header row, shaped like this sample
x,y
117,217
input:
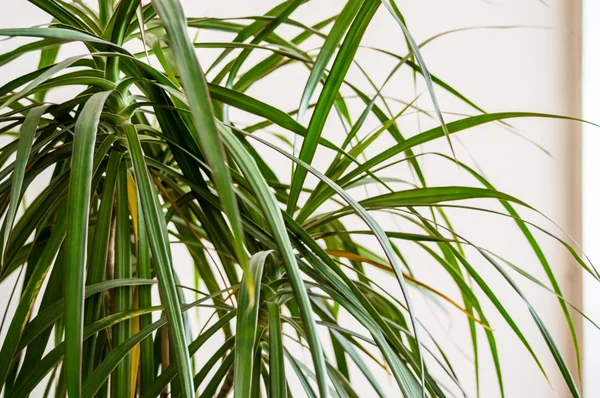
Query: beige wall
x,y
523,69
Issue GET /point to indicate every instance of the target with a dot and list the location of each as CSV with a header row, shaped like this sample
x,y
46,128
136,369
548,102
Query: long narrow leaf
x,y
157,236
23,150
247,317
77,232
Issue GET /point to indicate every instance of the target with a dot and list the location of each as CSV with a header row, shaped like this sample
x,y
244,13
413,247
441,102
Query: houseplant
x,y
148,153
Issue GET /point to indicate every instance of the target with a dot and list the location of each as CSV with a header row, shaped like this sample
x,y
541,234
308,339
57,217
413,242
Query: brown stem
x,y
227,385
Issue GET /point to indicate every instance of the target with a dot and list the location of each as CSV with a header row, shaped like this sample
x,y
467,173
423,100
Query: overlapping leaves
x,y
150,153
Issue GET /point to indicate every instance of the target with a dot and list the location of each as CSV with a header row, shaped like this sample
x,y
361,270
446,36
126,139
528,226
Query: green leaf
x,y
44,76
277,386
116,30
55,33
79,196
247,318
42,45
28,130
47,58
123,296
145,300
99,253
429,196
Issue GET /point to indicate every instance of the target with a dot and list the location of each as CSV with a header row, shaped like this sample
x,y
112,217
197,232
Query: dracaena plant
x,y
149,154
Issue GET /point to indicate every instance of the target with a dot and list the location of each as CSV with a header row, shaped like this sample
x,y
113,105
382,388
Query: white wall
x,y
532,68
